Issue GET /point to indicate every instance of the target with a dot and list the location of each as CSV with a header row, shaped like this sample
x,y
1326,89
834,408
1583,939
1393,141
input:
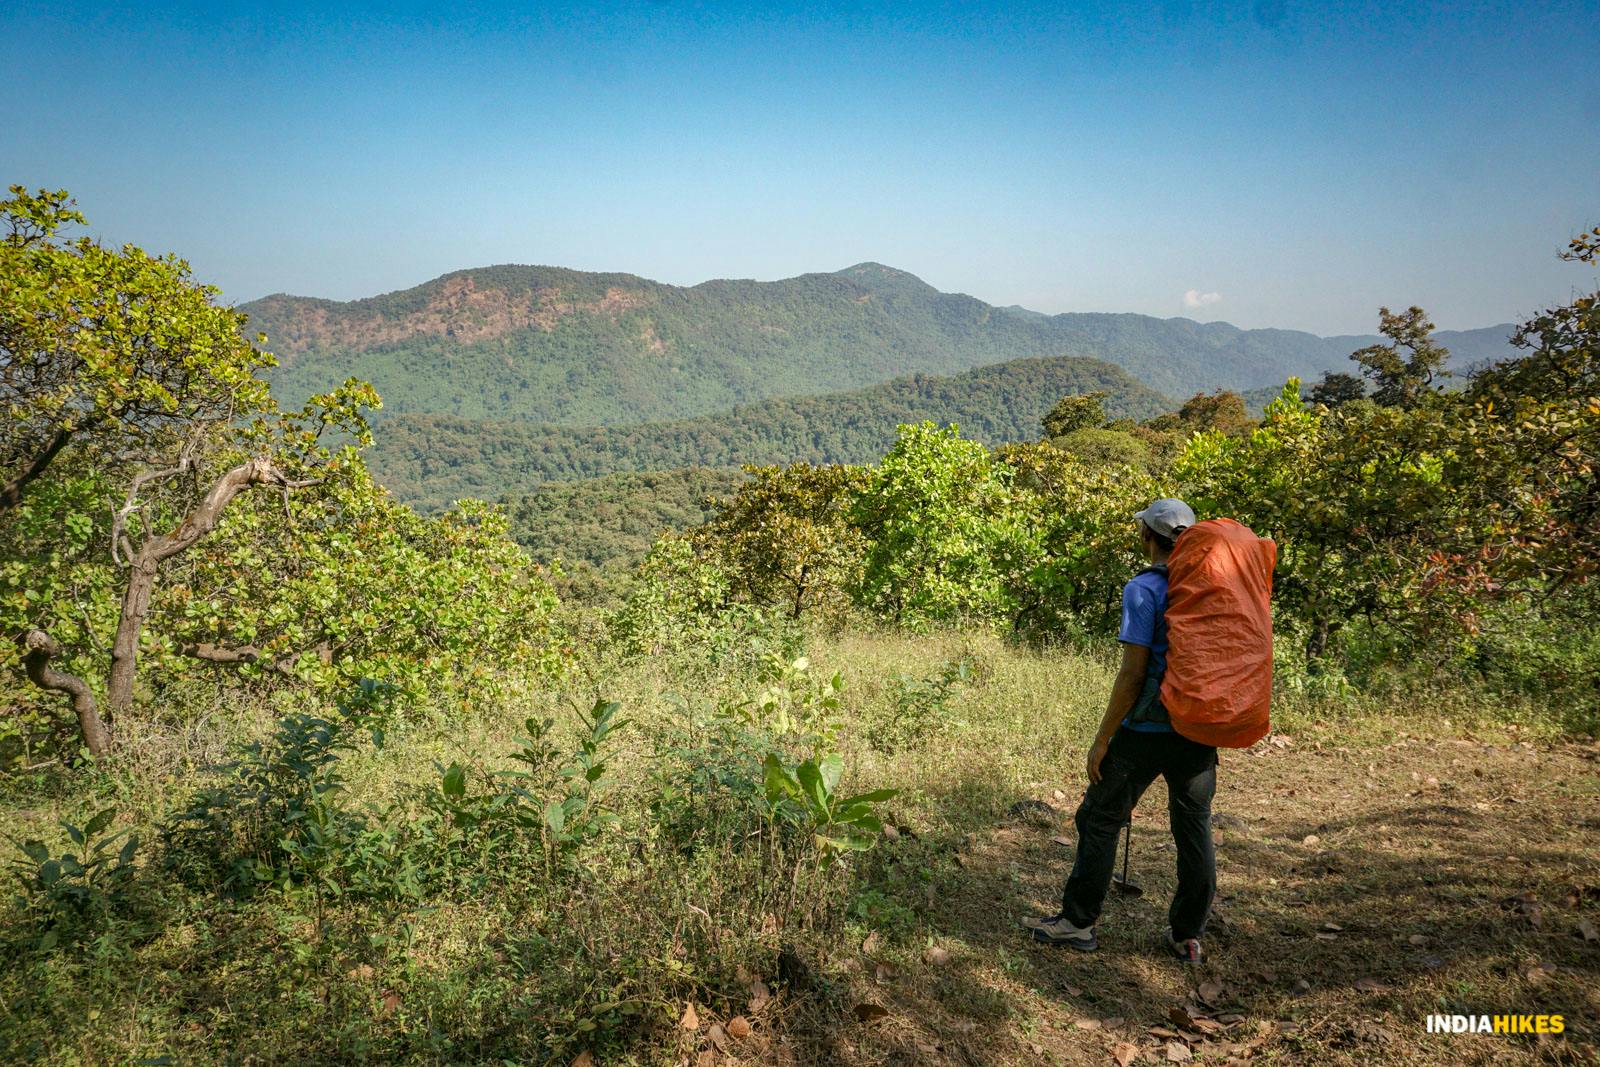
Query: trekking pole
x,y
1124,886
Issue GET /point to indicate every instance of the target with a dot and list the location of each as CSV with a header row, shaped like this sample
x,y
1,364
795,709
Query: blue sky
x,y
1278,163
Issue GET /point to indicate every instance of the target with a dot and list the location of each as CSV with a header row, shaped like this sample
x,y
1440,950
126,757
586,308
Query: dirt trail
x,y
1361,889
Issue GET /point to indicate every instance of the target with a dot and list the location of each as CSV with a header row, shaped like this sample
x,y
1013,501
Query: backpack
x,y
1218,685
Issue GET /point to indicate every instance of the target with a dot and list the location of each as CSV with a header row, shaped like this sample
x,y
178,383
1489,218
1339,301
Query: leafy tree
x,y
1081,411
1082,517
943,537
342,583
785,533
1531,435
1337,388
1105,448
1349,498
1405,369
166,510
106,348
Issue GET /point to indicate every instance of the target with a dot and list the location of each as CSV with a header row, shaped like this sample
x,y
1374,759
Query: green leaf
x,y
832,768
877,796
129,847
555,817
100,822
74,833
816,790
455,781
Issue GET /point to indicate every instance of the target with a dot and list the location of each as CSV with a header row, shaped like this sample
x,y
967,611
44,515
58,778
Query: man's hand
x,y
1097,752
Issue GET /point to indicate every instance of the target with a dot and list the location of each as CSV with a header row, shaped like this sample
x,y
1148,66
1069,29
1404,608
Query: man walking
x,y
1135,743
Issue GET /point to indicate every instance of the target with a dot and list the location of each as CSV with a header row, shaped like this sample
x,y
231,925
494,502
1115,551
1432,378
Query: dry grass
x,y
1399,847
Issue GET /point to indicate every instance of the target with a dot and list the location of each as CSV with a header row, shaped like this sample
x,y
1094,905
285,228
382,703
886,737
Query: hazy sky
x,y
1267,162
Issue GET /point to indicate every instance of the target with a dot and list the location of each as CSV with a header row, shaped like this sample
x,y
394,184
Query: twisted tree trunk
x,y
38,649
146,564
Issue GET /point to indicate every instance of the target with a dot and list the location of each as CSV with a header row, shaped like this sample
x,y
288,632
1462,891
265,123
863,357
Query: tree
x,y
1352,498
1105,448
167,509
106,348
1404,370
785,533
942,534
1337,388
340,582
1081,411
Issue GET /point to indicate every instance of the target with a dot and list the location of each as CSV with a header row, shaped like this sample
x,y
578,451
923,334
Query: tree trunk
x,y
125,648
38,649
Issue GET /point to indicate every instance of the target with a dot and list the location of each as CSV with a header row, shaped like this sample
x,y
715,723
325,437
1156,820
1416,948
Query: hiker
x,y
1136,741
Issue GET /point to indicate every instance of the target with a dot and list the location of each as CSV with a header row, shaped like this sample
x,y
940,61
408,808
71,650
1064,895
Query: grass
x,y
1366,862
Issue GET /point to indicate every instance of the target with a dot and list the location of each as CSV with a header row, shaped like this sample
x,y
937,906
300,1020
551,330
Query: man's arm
x,y
1124,692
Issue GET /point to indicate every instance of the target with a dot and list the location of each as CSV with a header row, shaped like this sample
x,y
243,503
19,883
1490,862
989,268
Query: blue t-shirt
x,y
1144,623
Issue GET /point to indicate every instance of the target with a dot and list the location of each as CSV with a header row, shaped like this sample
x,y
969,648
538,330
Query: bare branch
x,y
38,649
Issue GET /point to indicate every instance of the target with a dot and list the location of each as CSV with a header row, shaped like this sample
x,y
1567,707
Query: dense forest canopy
x,y
431,460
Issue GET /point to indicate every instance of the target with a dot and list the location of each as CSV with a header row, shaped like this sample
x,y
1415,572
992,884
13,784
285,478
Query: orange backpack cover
x,y
1218,685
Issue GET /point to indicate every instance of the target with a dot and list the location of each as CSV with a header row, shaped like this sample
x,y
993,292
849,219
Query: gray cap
x,y
1167,516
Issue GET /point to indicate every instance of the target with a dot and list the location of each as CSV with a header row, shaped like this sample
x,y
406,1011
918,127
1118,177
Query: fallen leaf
x,y
870,1012
389,1004
1208,1026
1178,1052
1302,986
1124,1053
1086,1024
936,956
884,973
739,1026
891,832
718,1037
1062,840
1538,973
1073,991
1586,931
583,1059
1333,928
759,995
1179,1015
1417,939
1057,795
690,1020
1162,1031
1112,1022
870,944
706,1059
361,972
1310,839
1211,991
1327,937
1371,985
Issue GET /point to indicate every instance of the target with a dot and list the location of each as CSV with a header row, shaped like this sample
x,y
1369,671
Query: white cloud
x,y
1194,298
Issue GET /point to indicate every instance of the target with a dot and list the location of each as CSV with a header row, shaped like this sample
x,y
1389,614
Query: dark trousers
x,y
1132,761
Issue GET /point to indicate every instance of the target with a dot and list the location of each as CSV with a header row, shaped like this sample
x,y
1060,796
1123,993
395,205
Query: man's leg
x,y
1191,774
1125,773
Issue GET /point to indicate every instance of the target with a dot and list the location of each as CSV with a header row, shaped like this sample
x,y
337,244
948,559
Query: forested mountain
x,y
550,345
430,460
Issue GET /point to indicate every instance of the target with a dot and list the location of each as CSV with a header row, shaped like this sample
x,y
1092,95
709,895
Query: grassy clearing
x,y
1396,828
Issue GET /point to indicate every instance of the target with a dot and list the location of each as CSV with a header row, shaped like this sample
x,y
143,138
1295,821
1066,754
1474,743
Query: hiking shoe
x,y
1056,930
1187,951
